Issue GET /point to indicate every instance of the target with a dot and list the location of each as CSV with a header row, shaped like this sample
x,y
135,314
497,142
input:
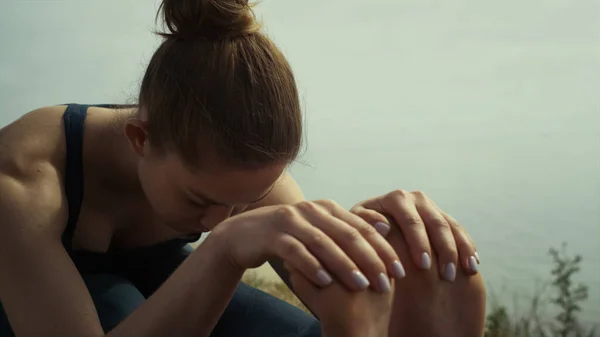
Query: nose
x,y
214,215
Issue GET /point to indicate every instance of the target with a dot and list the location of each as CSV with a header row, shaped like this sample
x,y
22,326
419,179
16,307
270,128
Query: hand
x,y
425,305
343,313
420,221
319,239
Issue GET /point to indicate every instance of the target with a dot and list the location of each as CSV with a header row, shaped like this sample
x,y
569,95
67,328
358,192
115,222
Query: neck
x,y
117,160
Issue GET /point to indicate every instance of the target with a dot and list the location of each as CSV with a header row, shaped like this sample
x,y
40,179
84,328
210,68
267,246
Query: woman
x,y
98,204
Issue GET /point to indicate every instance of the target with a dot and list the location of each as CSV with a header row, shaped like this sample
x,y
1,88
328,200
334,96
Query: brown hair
x,y
217,87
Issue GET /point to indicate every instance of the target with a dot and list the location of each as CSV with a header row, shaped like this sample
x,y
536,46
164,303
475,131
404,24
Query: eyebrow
x,y
202,196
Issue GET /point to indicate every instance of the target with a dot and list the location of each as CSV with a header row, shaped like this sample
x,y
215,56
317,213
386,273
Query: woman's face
x,y
192,202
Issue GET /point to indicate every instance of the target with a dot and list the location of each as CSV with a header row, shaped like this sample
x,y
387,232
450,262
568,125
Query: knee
x,y
432,277
114,297
252,312
423,297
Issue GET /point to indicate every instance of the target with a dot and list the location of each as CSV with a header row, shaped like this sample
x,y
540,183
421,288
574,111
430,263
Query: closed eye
x,y
196,203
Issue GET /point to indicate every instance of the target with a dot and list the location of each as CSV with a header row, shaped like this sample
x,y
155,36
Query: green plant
x,y
568,295
498,323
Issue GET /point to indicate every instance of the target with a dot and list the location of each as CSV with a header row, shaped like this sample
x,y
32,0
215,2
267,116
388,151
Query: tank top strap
x,y
74,120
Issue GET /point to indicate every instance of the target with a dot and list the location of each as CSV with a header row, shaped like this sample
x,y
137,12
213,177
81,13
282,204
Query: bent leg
x,y
250,313
115,298
424,305
254,313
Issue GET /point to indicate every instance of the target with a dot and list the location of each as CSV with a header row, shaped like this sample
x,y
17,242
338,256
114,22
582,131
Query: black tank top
x,y
87,261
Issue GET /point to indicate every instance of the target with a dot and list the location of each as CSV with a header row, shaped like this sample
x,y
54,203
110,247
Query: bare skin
x,y
118,213
420,305
344,313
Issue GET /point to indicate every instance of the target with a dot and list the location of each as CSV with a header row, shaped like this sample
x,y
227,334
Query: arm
x,y
424,304
285,192
43,298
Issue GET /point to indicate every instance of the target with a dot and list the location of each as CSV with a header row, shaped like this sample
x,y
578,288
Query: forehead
x,y
226,185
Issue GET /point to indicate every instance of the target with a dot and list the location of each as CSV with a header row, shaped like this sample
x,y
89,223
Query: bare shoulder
x,y
38,280
33,143
31,166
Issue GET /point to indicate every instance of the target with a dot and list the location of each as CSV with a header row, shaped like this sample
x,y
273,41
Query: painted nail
x,y
384,282
477,257
360,279
324,277
382,228
425,261
473,263
398,269
450,272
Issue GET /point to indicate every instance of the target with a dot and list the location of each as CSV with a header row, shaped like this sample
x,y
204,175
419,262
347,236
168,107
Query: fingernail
x,y
382,228
384,282
450,272
425,261
360,279
398,269
477,257
324,277
473,263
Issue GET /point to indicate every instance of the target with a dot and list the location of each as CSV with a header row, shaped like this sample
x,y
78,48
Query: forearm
x,y
191,301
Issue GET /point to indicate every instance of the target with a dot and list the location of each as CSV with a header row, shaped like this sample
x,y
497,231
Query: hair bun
x,y
212,19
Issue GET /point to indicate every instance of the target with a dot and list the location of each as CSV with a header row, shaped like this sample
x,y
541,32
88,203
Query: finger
x,y
469,258
402,208
376,219
456,225
328,252
375,238
441,237
303,286
350,234
296,256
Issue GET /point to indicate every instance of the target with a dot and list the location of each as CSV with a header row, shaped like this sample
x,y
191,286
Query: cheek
x,y
157,190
